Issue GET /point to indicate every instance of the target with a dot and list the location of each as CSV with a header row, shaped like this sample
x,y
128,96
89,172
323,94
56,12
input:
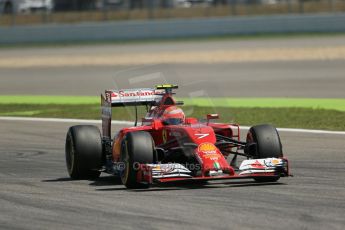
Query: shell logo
x,y
207,148
275,161
157,167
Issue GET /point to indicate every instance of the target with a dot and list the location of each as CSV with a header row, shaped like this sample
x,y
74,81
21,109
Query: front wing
x,y
257,168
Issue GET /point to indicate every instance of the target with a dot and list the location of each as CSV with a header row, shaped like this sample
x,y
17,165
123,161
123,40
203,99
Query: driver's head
x,y
173,115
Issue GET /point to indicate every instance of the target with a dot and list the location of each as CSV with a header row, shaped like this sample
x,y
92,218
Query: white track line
x,y
62,120
116,122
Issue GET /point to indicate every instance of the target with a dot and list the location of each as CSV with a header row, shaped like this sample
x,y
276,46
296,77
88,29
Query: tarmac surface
x,y
309,79
36,192
304,78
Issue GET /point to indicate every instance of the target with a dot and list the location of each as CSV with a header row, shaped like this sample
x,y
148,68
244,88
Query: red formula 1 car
x,y
168,146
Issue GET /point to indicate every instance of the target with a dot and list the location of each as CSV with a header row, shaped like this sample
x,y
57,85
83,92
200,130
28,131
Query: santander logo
x,y
139,93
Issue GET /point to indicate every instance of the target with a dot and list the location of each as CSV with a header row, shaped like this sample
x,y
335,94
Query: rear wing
x,y
131,97
126,97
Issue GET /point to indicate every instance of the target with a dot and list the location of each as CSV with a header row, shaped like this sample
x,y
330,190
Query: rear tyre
x,y
268,145
83,152
137,148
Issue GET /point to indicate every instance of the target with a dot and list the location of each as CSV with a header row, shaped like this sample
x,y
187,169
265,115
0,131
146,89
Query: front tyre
x,y
137,148
268,144
83,151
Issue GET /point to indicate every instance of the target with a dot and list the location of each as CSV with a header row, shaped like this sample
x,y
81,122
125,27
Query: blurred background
x,y
23,12
265,53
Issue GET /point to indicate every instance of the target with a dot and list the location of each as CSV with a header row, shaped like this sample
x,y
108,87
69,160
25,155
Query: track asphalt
x,y
36,192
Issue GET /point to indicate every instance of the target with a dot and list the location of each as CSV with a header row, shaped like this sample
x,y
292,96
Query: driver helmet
x,y
173,116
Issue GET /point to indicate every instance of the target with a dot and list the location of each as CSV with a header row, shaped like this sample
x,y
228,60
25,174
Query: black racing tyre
x,y
267,141
83,152
136,148
268,145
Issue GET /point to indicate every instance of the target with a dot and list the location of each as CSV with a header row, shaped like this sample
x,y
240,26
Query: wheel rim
x,y
69,155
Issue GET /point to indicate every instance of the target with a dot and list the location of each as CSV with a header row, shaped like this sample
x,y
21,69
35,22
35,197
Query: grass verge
x,y
280,117
307,103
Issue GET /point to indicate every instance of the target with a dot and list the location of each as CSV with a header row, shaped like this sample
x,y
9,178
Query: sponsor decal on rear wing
x,y
124,97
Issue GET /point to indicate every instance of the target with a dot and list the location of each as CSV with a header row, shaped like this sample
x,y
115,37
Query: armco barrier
x,y
173,28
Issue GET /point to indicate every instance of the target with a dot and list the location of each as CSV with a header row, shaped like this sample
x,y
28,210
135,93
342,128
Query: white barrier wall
x,y
173,28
